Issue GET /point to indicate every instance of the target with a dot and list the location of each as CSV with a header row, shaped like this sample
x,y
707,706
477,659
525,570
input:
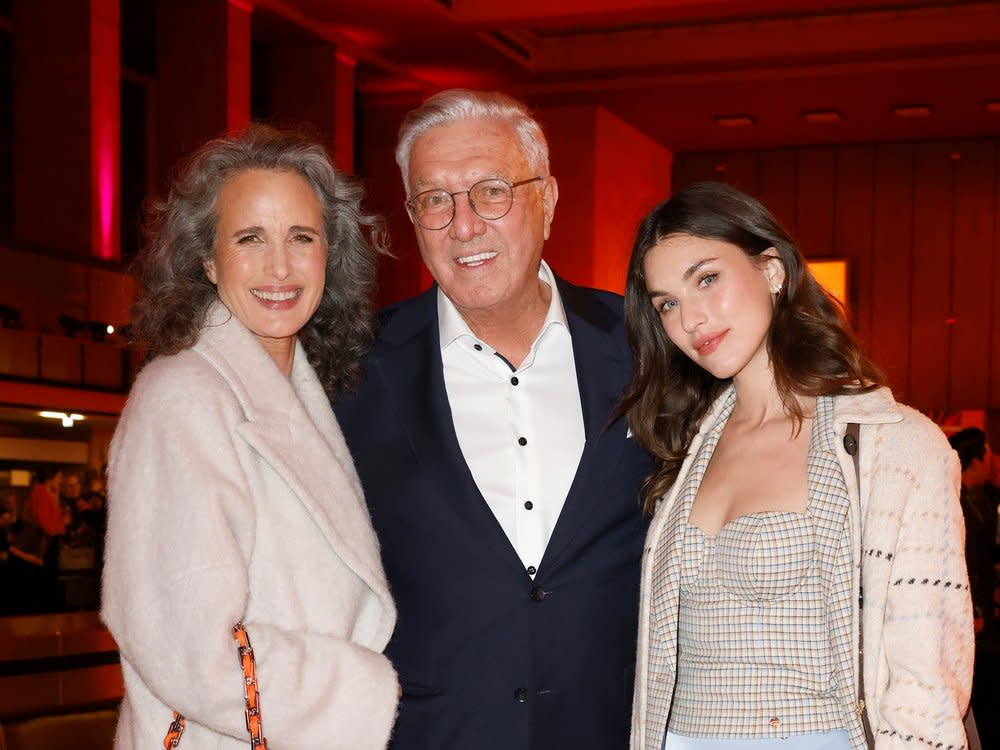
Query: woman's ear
x,y
773,268
209,265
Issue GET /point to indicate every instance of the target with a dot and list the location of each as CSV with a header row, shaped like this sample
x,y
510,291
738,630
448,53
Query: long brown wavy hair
x,y
811,350
175,293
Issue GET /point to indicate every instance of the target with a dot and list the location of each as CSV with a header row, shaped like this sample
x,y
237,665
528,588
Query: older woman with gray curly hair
x,y
234,509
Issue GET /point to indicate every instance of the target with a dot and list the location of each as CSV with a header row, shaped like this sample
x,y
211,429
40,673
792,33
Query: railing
x,y
60,360
56,663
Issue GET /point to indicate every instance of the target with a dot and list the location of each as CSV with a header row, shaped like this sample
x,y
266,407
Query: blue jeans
x,y
836,740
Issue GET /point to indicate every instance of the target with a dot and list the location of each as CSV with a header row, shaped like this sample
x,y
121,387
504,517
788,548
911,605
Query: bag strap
x,y
852,442
251,692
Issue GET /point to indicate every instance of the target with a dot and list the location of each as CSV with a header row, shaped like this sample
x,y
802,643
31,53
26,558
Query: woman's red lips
x,y
708,344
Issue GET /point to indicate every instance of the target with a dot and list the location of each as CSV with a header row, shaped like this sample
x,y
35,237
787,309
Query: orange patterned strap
x,y
251,692
174,732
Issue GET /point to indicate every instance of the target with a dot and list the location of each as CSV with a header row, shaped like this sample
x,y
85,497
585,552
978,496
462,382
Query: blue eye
x,y
708,279
668,305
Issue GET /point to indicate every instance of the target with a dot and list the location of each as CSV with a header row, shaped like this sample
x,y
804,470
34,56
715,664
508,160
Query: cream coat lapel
x,y
290,425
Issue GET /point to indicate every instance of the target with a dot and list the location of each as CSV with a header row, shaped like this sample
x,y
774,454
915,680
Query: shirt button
x,y
528,505
531,570
477,347
775,722
514,380
537,594
522,441
521,695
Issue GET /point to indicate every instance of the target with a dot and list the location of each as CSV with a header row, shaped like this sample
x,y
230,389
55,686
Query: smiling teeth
x,y
275,296
476,258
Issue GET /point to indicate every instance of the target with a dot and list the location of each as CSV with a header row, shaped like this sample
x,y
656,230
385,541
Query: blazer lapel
x,y
410,368
603,369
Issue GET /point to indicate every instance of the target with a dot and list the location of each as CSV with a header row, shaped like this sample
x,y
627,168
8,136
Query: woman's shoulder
x,y
900,429
175,373
176,387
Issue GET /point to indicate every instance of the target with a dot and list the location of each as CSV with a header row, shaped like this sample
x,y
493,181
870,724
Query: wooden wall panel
x,y
778,185
742,171
891,266
930,307
815,202
921,232
698,167
852,230
994,399
972,261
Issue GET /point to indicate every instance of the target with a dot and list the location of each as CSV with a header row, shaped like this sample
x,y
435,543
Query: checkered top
x,y
764,618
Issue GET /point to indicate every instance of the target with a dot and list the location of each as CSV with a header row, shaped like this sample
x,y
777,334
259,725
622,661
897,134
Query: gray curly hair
x,y
175,293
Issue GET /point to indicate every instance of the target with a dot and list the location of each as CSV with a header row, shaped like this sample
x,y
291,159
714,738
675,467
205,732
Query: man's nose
x,y
466,223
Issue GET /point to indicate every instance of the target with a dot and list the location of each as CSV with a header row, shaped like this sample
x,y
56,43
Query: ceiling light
x,y
67,419
912,110
734,121
992,105
822,115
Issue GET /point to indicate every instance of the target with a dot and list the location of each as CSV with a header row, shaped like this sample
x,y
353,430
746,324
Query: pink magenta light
x,y
106,193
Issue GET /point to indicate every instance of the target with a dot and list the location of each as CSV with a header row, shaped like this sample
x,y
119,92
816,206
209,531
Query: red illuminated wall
x,y
919,226
610,175
632,175
203,75
402,275
66,129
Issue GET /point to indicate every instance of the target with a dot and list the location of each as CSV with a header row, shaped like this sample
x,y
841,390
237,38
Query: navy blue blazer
x,y
488,658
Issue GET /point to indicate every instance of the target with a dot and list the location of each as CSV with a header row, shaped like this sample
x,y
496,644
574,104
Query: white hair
x,y
452,105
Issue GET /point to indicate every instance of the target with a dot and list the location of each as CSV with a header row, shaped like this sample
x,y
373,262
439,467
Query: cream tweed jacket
x,y
908,545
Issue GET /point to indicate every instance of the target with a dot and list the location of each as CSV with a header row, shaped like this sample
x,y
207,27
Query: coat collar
x,y
874,407
290,425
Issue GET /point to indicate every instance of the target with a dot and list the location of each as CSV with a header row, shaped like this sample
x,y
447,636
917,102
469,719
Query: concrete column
x,y
610,175
343,131
67,126
311,86
203,74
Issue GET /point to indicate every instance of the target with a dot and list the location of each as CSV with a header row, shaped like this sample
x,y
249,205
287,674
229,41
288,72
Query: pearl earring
x,y
776,288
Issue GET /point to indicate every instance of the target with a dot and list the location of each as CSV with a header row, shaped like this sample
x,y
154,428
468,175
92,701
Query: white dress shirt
x,y
521,431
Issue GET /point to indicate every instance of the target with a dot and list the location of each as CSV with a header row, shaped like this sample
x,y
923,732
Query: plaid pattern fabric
x,y
764,634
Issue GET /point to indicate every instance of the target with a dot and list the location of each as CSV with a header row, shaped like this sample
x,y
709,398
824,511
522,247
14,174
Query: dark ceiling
x,y
673,68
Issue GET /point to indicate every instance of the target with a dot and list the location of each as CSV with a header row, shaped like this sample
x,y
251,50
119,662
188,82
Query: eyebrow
x,y
694,268
260,230
423,185
691,271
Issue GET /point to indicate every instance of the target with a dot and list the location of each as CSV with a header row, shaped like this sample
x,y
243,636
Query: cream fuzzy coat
x,y
917,615
233,498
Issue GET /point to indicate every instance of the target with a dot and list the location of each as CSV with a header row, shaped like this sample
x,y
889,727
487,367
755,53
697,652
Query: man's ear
x,y
209,265
550,196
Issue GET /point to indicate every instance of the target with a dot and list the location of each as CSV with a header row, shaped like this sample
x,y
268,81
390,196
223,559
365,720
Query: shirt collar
x,y
452,326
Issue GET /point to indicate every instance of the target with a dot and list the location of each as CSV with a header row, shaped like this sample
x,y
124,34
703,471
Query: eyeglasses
x,y
491,199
